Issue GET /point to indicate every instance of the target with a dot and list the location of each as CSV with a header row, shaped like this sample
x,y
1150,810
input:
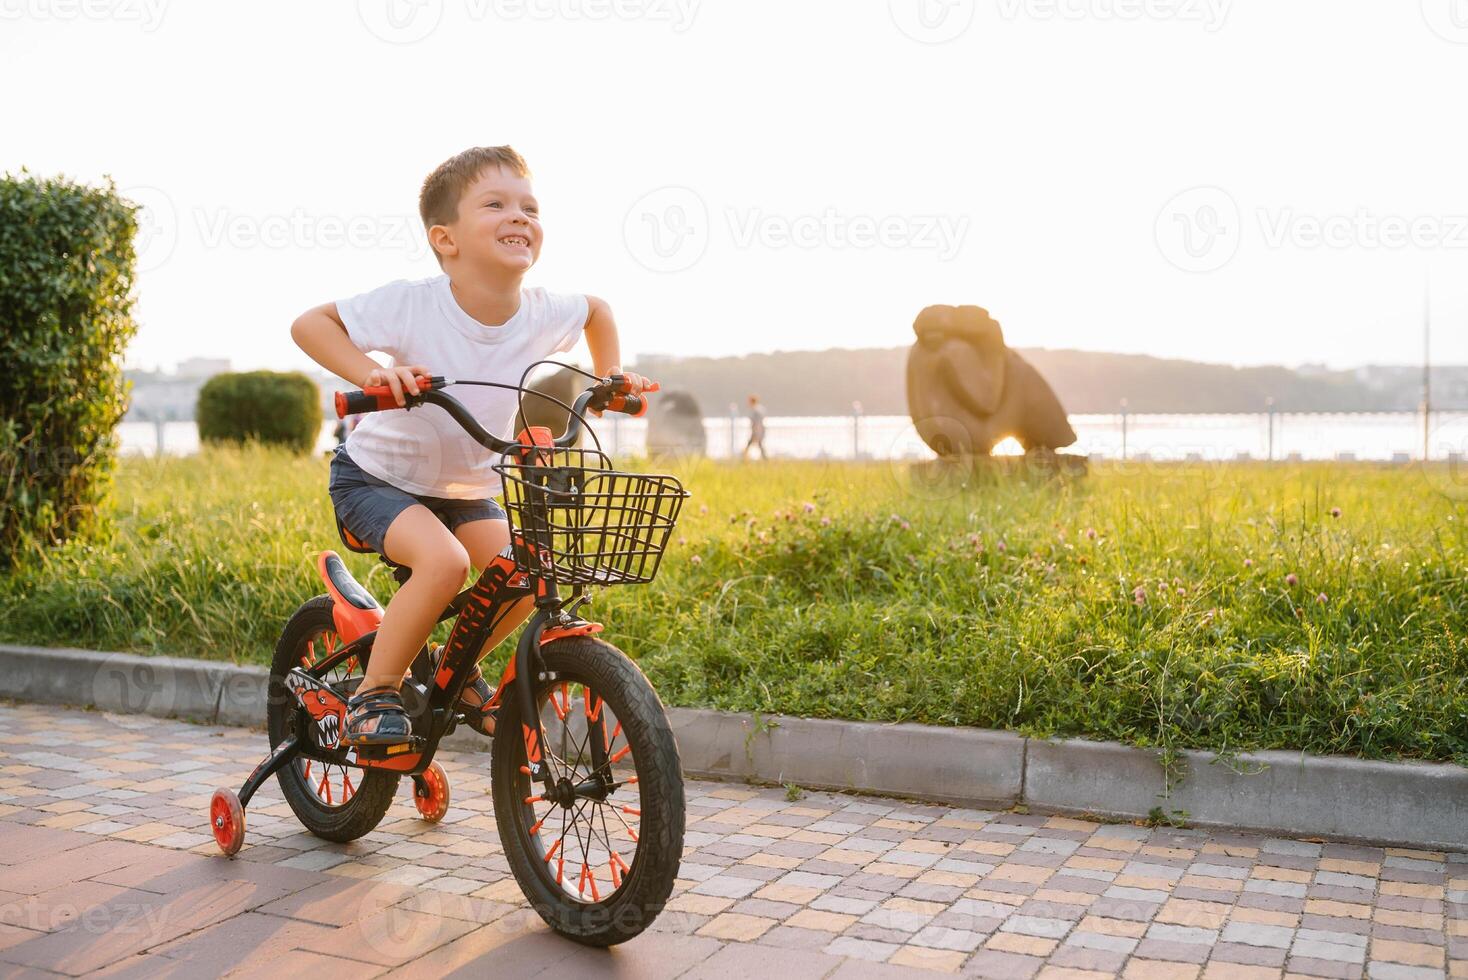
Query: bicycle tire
x,y
371,798
603,673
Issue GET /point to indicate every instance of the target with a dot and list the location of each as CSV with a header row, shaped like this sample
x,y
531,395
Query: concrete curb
x,y
1412,803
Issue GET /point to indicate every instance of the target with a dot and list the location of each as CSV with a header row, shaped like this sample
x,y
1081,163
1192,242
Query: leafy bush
x,y
283,408
66,278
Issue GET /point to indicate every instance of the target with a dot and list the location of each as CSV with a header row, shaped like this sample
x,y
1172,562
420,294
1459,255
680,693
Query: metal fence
x,y
1379,436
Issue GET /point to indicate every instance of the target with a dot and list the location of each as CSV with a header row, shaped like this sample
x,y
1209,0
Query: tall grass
x,y
1316,607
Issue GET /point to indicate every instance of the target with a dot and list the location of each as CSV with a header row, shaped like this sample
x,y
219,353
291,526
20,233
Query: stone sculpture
x,y
967,391
675,426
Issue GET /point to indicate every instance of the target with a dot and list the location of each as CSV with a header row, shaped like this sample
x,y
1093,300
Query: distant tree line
x,y
827,382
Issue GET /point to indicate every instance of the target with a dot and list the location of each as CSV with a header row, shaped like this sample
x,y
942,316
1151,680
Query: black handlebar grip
x,y
632,405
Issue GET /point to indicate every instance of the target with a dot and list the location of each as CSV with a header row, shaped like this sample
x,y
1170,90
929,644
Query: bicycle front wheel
x,y
597,854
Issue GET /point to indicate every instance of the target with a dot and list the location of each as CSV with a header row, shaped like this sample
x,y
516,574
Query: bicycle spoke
x,y
587,838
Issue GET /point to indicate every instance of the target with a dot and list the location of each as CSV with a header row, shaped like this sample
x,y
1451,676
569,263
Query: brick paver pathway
x,y
106,865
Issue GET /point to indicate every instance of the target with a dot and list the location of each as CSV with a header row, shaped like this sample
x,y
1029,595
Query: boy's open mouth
x,y
519,240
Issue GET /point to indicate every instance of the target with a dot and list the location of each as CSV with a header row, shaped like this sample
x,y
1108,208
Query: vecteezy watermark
x,y
160,228
157,234
304,229
668,230
1211,14
409,21
129,690
1447,444
932,21
395,926
1200,229
147,14
106,919
1285,227
941,233
1447,18
677,13
400,21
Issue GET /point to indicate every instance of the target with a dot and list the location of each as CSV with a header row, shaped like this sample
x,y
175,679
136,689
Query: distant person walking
x,y
756,429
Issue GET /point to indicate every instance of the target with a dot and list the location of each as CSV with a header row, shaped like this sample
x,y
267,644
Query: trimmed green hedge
x,y
281,408
66,280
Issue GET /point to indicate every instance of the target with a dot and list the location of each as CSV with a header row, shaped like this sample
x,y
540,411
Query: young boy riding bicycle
x,y
413,485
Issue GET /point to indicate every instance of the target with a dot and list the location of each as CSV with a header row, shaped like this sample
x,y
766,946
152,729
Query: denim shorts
x,y
368,506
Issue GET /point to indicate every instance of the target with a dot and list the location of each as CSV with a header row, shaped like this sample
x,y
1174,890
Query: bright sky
x,y
1246,181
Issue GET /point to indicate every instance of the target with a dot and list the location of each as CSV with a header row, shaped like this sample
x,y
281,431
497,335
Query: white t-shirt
x,y
423,450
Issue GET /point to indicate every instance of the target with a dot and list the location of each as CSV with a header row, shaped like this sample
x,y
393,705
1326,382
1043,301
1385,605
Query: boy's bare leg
x,y
484,540
417,539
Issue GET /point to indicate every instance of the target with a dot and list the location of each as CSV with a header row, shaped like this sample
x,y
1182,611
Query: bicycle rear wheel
x,y
337,803
597,855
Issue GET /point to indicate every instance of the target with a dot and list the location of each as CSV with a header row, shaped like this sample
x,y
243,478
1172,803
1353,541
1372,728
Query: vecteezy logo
x,y
667,230
400,21
128,691
1199,230
157,234
1447,444
932,21
1447,18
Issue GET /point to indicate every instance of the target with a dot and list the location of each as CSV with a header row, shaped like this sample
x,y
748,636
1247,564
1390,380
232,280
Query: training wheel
x,y
227,821
431,793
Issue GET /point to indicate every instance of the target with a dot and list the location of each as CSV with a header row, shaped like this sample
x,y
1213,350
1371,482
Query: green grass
x,y
865,591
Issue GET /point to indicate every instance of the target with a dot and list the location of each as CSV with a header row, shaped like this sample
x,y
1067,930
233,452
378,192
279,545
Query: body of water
x,y
1387,436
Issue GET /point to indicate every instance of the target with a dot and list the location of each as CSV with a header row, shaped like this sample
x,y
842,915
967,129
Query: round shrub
x,y
281,408
66,280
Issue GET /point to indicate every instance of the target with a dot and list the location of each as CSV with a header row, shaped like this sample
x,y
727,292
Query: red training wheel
x,y
227,821
431,793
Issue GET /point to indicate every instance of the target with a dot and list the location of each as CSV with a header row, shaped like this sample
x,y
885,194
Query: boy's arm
x,y
321,334
602,341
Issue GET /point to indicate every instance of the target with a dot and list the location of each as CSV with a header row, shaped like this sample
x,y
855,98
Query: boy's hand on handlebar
x,y
635,384
399,379
618,387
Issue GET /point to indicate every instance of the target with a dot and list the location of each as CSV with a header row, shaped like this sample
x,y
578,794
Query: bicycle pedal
x,y
416,744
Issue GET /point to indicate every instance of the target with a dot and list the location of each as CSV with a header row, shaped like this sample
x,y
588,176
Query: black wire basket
x,y
584,523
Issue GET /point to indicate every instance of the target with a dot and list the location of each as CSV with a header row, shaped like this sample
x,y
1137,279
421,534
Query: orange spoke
x,y
595,895
535,828
307,774
617,756
632,810
347,788
590,714
310,657
325,787
615,732
554,848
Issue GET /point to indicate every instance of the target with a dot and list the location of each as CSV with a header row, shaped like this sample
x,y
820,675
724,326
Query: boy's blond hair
x,y
438,202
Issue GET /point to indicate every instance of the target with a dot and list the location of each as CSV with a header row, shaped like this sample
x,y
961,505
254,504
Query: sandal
x,y
475,715
377,717
476,687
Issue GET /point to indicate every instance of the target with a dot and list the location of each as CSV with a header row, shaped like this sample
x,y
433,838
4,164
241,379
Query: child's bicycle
x,y
587,789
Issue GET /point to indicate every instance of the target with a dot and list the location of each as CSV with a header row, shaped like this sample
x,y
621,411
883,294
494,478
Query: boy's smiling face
x,y
498,225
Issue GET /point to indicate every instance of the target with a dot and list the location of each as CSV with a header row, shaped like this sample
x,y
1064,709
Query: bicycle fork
x,y
529,670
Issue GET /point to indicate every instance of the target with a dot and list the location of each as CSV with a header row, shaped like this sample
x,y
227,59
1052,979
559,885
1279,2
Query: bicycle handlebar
x,y
611,395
